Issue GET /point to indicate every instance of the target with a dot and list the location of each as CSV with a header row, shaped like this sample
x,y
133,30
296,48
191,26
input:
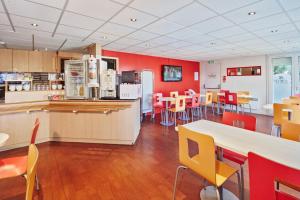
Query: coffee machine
x,y
108,84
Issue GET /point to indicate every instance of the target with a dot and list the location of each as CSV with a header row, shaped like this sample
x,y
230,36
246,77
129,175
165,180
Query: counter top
x,y
104,106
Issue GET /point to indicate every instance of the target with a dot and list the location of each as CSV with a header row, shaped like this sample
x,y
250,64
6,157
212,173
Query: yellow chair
x,y
292,101
208,102
204,163
290,131
294,97
174,95
33,155
243,101
179,108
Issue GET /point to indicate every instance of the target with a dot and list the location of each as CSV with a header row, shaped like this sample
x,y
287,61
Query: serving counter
x,y
103,121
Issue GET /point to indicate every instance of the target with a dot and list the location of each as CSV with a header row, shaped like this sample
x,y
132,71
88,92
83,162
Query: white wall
x,y
257,85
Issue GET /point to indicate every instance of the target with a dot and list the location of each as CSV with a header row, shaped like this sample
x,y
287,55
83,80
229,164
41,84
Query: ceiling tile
x,y
283,36
80,21
290,4
6,28
122,1
158,7
179,44
103,37
128,41
262,9
129,13
240,37
142,35
210,25
266,22
135,49
198,39
274,30
298,25
234,30
225,6
295,14
162,40
162,27
25,22
3,19
103,9
191,14
28,9
54,3
183,34
68,30
116,29
74,45
114,46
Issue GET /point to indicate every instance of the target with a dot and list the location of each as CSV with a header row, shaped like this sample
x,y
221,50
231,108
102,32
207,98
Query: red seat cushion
x,y
235,157
11,167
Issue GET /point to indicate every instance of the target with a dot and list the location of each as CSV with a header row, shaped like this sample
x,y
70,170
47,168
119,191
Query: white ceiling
x,y
183,29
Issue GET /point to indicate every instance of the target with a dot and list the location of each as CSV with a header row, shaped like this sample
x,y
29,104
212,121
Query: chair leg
x,y
219,193
242,191
250,108
176,178
175,118
205,111
37,183
241,194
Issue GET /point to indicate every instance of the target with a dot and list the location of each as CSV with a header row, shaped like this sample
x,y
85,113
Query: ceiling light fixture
x,y
34,24
104,37
274,31
2,42
133,19
212,43
252,13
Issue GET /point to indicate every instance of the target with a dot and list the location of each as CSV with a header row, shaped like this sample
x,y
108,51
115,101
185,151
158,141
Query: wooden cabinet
x,y
6,60
50,62
20,61
35,61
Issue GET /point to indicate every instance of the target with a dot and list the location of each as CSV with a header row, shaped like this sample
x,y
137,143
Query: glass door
x,y
281,78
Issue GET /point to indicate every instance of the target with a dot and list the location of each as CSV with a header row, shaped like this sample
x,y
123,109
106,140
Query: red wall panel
x,y
129,61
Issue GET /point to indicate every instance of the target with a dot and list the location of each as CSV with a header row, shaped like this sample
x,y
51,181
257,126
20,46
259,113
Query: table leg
x,y
167,122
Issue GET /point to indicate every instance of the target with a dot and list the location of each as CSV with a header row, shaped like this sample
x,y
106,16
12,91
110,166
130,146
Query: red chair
x,y
243,121
194,106
17,166
157,104
222,99
231,99
264,174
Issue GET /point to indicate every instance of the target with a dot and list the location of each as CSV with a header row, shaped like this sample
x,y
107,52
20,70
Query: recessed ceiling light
x,y
274,31
286,41
212,43
34,24
251,13
104,37
2,42
133,19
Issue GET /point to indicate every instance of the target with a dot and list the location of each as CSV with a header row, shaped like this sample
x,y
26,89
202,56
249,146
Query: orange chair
x,y
174,95
18,165
242,121
30,176
179,108
204,163
194,106
244,101
290,131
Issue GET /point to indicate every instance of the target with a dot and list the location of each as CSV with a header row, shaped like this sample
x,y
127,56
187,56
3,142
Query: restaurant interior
x,y
150,99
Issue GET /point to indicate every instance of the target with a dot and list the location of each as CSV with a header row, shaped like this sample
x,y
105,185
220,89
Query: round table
x,y
3,138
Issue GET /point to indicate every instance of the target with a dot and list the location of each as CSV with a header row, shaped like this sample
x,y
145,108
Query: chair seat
x,y
174,110
223,172
235,157
243,101
11,167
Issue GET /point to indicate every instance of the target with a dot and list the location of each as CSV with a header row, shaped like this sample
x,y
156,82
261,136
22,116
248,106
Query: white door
x,y
147,91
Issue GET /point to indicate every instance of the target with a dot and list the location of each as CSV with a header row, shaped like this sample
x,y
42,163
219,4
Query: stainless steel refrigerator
x,y
76,79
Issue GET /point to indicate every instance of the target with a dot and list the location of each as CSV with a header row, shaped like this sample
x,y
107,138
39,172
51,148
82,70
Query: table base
x,y
209,193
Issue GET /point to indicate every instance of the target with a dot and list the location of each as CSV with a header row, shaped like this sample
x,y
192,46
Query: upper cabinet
x,y
20,60
50,62
6,60
35,61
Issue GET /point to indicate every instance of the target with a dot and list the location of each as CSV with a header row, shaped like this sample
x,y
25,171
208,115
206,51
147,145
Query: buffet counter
x,y
102,121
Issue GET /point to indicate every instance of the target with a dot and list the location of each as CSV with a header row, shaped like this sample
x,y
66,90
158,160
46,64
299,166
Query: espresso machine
x,y
108,84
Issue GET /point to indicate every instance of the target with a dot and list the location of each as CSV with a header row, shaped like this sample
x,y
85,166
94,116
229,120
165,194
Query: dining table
x,y
243,141
167,100
3,138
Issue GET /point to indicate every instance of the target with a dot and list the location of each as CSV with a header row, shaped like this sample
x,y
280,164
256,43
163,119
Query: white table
x,y
244,141
3,138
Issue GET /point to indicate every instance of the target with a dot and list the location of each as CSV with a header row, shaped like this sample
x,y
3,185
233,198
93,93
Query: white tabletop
x,y
3,138
240,96
172,98
243,141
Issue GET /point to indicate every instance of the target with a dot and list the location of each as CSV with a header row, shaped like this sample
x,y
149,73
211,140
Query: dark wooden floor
x,y
114,172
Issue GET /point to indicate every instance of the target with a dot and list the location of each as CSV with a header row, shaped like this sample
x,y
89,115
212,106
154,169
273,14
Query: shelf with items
x,y
18,85
244,71
57,84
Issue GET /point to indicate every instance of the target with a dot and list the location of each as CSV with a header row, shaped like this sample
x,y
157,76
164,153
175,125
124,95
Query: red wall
x,y
129,61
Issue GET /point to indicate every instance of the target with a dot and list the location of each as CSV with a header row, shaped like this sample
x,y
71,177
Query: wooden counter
x,y
103,121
